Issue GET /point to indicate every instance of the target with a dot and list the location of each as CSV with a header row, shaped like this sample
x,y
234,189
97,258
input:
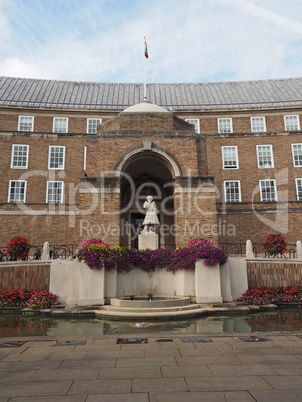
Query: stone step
x,y
142,314
130,310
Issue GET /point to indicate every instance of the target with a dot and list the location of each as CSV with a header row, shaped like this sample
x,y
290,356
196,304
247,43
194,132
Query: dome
x,y
145,107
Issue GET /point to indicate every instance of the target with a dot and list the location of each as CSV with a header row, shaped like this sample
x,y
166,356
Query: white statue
x,y
151,219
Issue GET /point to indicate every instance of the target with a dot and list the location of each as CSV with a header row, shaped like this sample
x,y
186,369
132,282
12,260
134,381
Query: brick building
x,y
222,160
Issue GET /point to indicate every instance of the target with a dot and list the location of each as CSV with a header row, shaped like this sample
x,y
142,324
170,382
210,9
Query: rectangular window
x,y
232,191
17,191
26,123
195,122
54,192
92,125
230,157
265,156
299,189
258,124
60,124
268,190
291,122
297,154
225,125
19,158
56,157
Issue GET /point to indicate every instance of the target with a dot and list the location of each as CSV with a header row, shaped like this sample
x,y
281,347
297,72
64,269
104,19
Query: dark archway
x,y
144,174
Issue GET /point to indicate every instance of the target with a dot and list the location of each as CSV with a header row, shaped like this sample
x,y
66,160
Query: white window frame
x,y
10,188
275,190
62,191
221,121
254,127
14,146
223,160
196,123
258,156
98,121
285,122
299,198
27,117
62,166
293,153
59,129
225,190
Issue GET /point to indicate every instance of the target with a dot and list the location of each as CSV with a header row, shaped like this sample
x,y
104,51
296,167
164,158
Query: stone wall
x,y
21,275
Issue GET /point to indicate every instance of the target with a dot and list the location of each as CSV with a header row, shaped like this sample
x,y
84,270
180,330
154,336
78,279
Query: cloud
x,y
102,40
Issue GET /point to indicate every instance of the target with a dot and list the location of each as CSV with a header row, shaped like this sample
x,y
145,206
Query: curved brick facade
x,y
231,172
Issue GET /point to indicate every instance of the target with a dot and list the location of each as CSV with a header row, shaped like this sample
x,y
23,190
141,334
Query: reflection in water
x,y
12,325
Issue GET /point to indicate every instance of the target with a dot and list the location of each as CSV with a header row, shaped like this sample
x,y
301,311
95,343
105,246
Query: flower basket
x,y
275,244
18,248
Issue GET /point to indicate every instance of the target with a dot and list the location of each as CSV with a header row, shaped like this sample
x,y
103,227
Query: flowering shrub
x,y
96,255
18,247
27,298
275,244
42,300
265,295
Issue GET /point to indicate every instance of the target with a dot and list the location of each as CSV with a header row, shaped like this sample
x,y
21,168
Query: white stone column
x,y
46,253
299,250
225,277
207,283
249,250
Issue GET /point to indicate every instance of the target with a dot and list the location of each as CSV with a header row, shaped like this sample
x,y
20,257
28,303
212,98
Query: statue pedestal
x,y
148,240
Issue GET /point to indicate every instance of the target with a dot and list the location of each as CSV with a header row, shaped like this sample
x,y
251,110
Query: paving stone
x,y
17,376
201,360
230,351
4,399
292,395
238,396
200,352
129,372
112,386
107,354
162,353
268,359
146,362
27,357
285,382
287,369
186,371
141,397
63,398
241,370
186,397
245,383
14,389
159,384
88,363
34,365
67,356
288,350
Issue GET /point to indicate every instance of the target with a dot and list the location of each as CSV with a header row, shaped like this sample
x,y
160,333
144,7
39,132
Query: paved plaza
x,y
161,368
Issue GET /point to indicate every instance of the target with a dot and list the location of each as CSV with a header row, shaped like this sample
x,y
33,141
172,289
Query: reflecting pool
x,y
17,325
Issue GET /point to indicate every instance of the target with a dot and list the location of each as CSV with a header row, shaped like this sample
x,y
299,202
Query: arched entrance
x,y
144,173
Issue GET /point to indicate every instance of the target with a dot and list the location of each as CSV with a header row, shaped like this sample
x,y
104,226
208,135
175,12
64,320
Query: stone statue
x,y
151,219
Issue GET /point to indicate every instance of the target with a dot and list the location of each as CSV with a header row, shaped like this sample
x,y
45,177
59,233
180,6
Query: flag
x,y
146,50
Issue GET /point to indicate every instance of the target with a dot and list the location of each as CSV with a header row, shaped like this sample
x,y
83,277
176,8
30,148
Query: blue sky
x,y
188,41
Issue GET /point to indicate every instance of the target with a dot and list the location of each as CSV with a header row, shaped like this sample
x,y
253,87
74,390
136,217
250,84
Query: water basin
x,y
18,325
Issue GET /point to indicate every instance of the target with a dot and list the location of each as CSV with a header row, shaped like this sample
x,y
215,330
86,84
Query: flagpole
x,y
145,86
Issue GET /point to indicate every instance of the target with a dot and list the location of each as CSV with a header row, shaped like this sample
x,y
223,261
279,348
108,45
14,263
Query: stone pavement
x,y
161,369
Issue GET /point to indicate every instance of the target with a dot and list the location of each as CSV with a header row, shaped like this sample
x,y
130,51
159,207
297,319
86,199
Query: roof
x,y
24,92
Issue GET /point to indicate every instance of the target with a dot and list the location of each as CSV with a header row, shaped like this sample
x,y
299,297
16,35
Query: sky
x,y
188,40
